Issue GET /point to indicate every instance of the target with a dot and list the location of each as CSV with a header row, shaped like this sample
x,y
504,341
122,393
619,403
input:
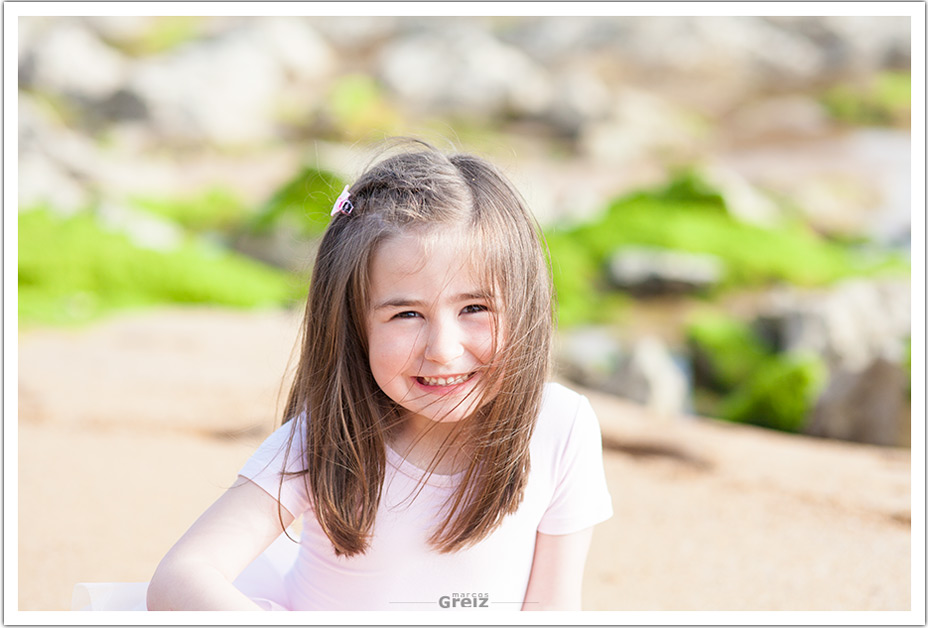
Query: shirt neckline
x,y
411,471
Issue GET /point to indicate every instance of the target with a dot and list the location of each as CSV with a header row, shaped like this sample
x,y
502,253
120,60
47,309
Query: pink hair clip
x,y
342,204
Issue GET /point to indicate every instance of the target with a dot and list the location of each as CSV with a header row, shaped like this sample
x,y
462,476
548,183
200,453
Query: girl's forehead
x,y
408,258
418,245
410,252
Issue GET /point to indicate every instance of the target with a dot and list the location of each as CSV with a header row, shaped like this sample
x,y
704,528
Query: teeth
x,y
442,381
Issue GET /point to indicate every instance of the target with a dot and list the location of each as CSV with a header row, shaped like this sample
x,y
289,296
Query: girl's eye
x,y
470,309
406,315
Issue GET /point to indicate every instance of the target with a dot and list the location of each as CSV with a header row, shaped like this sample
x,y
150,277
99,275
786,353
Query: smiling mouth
x,y
445,381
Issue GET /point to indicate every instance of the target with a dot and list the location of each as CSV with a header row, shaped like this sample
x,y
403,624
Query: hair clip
x,y
342,204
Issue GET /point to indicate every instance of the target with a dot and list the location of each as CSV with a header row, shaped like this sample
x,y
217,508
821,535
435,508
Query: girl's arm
x,y
557,571
197,573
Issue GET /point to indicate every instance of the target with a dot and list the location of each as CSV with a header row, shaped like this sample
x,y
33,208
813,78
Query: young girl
x,y
431,465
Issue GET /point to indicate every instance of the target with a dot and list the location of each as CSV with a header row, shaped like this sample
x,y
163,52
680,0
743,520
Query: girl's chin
x,y
451,416
446,413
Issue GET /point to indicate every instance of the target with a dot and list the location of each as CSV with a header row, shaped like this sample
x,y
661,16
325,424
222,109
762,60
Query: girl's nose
x,y
444,343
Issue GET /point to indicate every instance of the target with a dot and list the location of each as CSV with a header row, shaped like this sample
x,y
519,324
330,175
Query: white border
x,y
13,10
918,313
10,316
464,8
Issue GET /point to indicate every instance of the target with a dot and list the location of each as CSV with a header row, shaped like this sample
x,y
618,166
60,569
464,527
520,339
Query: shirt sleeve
x,y
268,469
581,498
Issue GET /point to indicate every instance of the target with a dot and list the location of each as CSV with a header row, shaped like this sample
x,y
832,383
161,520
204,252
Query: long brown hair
x,y
349,419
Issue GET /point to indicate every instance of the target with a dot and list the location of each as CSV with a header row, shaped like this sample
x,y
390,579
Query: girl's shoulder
x,y
563,412
567,454
560,397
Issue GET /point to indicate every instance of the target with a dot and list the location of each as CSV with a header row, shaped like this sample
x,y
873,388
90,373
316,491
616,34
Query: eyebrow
x,y
466,296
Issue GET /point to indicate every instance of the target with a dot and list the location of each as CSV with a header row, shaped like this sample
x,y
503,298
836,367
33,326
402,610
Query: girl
x,y
432,465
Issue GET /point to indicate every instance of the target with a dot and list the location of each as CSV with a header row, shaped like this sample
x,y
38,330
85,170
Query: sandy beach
x,y
129,428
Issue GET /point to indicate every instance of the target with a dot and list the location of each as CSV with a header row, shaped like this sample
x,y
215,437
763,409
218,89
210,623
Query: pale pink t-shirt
x,y
566,493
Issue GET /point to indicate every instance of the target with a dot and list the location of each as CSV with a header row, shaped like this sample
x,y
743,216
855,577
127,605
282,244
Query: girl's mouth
x,y
445,381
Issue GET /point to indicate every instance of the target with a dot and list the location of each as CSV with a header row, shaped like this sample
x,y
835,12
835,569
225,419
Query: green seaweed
x,y
726,350
688,215
303,204
884,99
72,270
780,394
215,209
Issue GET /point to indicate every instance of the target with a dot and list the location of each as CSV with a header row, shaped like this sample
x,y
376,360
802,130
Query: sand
x,y
129,428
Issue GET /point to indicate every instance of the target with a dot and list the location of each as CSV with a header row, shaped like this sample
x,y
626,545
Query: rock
x,y
120,106
855,184
713,63
463,69
121,30
650,270
42,182
571,39
580,96
303,54
775,56
651,376
853,44
860,329
44,178
215,91
742,199
283,247
839,204
647,373
143,229
749,51
68,59
589,356
851,326
886,154
778,118
224,90
68,169
863,406
640,125
356,35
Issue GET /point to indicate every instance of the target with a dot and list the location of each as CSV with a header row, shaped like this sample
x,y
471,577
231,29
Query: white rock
x,y
779,117
743,200
40,181
302,53
120,28
43,177
143,229
863,406
69,59
580,96
589,355
356,33
851,325
222,91
464,69
641,123
655,270
651,377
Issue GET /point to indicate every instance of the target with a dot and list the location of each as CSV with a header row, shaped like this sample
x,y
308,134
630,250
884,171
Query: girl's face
x,y
432,328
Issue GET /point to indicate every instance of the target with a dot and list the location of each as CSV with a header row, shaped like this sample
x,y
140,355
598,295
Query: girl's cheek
x,y
405,345
488,344
497,335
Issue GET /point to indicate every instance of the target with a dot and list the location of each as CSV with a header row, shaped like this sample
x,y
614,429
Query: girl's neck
x,y
424,443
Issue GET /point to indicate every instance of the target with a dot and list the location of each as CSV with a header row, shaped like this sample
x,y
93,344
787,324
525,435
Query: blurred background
x,y
726,201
